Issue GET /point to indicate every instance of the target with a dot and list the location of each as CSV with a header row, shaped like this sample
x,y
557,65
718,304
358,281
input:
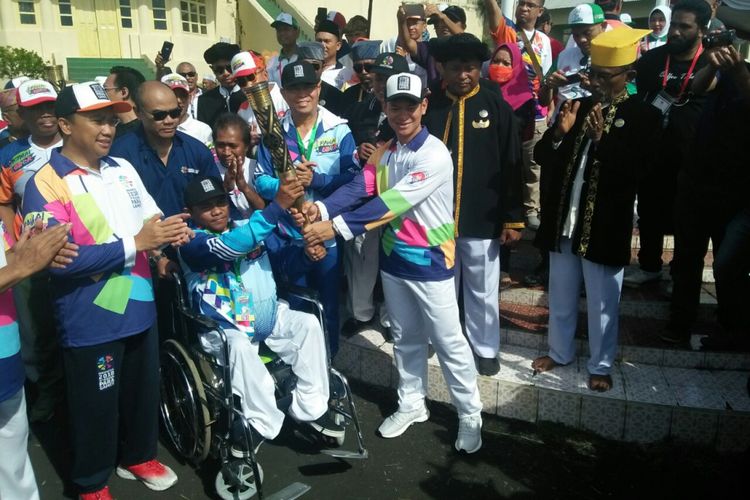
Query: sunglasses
x,y
219,70
189,74
160,115
361,68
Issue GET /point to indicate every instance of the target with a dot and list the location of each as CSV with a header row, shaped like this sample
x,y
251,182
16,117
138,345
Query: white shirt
x,y
337,76
575,195
276,65
198,130
193,106
279,104
238,199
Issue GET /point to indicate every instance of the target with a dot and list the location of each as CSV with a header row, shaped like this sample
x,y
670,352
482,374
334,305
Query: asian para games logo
x,y
105,365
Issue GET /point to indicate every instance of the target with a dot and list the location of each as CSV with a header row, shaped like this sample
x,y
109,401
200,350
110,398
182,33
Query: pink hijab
x,y
517,90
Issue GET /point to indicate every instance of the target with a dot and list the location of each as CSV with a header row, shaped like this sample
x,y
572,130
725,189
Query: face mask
x,y
500,74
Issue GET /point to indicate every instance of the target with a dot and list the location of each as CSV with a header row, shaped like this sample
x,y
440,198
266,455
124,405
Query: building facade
x,y
88,36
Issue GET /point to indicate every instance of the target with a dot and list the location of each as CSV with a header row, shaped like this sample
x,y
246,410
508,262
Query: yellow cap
x,y
618,47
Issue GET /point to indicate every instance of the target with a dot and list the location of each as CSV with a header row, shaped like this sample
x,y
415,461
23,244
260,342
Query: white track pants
x,y
16,475
603,285
478,274
423,311
298,340
361,268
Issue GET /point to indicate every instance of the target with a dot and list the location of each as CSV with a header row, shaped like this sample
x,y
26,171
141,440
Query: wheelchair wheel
x,y
241,483
183,403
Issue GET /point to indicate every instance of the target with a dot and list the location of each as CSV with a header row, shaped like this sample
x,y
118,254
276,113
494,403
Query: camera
x,y
719,39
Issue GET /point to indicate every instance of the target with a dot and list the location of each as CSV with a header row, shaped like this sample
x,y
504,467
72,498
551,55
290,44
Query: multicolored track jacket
x,y
411,191
105,294
11,366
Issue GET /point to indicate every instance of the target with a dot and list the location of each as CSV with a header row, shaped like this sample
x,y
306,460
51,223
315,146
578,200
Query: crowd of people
x,y
420,160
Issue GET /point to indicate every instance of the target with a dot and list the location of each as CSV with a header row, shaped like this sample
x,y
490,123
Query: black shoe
x,y
353,326
327,426
387,335
487,366
240,447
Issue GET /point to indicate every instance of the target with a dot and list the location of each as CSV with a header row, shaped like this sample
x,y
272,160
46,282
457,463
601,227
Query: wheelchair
x,y
201,415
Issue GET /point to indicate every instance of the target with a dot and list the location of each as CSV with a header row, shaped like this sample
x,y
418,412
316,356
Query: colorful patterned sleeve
x,y
326,184
207,250
266,182
48,199
428,174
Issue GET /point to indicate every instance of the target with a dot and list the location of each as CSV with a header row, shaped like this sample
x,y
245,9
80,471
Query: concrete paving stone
x,y
347,360
677,377
684,359
369,339
517,401
603,416
437,390
692,426
734,433
696,396
488,394
376,367
728,360
647,423
646,384
559,406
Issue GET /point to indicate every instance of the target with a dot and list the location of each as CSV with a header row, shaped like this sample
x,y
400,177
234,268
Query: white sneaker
x,y
640,277
469,434
398,422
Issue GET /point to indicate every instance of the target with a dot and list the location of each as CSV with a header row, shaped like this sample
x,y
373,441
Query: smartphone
x,y
322,14
573,78
166,51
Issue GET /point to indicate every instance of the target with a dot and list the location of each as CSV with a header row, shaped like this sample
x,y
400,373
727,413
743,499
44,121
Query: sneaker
x,y
239,447
533,222
469,434
638,277
327,426
487,366
154,474
397,423
102,494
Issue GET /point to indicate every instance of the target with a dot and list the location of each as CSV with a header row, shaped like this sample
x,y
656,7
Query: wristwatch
x,y
154,259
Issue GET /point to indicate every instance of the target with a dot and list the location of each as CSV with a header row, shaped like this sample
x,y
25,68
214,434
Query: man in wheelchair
x,y
229,279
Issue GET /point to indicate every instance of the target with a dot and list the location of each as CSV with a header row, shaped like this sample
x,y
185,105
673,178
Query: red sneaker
x,y
154,474
102,494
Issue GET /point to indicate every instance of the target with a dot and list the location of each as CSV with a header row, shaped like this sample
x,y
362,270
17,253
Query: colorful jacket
x,y
105,294
12,374
410,191
333,152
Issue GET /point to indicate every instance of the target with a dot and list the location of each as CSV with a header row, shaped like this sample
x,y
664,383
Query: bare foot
x,y
543,364
600,383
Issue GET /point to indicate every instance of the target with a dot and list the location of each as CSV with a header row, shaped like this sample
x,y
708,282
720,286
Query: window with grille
x,y
27,12
66,12
126,14
159,10
193,16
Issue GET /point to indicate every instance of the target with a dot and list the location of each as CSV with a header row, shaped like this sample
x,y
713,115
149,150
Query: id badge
x,y
663,102
242,308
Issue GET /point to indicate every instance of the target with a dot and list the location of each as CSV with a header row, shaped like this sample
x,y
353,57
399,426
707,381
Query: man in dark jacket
x,y
470,116
227,96
589,160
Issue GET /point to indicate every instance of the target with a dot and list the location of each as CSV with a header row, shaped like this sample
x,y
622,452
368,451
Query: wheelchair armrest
x,y
204,321
288,289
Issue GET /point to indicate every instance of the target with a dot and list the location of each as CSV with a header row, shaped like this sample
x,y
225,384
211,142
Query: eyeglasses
x,y
112,121
528,5
188,74
107,89
220,69
603,77
160,115
361,68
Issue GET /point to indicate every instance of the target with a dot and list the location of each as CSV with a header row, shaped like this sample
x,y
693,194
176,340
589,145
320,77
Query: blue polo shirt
x,y
188,158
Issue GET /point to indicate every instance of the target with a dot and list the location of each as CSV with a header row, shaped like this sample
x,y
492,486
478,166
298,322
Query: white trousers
x,y
603,285
478,273
423,311
298,340
361,268
16,475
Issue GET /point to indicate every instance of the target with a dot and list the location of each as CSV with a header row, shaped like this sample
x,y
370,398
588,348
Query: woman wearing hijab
x,y
658,23
507,70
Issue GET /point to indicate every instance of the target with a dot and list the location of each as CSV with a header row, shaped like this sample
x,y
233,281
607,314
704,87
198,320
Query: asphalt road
x,y
518,460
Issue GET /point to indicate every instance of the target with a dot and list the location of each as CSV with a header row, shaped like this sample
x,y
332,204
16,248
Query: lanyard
x,y
306,150
685,82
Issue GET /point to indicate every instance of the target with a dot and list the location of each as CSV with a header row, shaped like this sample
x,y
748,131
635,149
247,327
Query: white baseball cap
x,y
175,81
33,92
88,96
404,86
243,64
586,13
285,18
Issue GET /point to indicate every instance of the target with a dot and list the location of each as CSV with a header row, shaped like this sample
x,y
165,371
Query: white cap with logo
x,y
33,92
175,81
243,64
404,86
